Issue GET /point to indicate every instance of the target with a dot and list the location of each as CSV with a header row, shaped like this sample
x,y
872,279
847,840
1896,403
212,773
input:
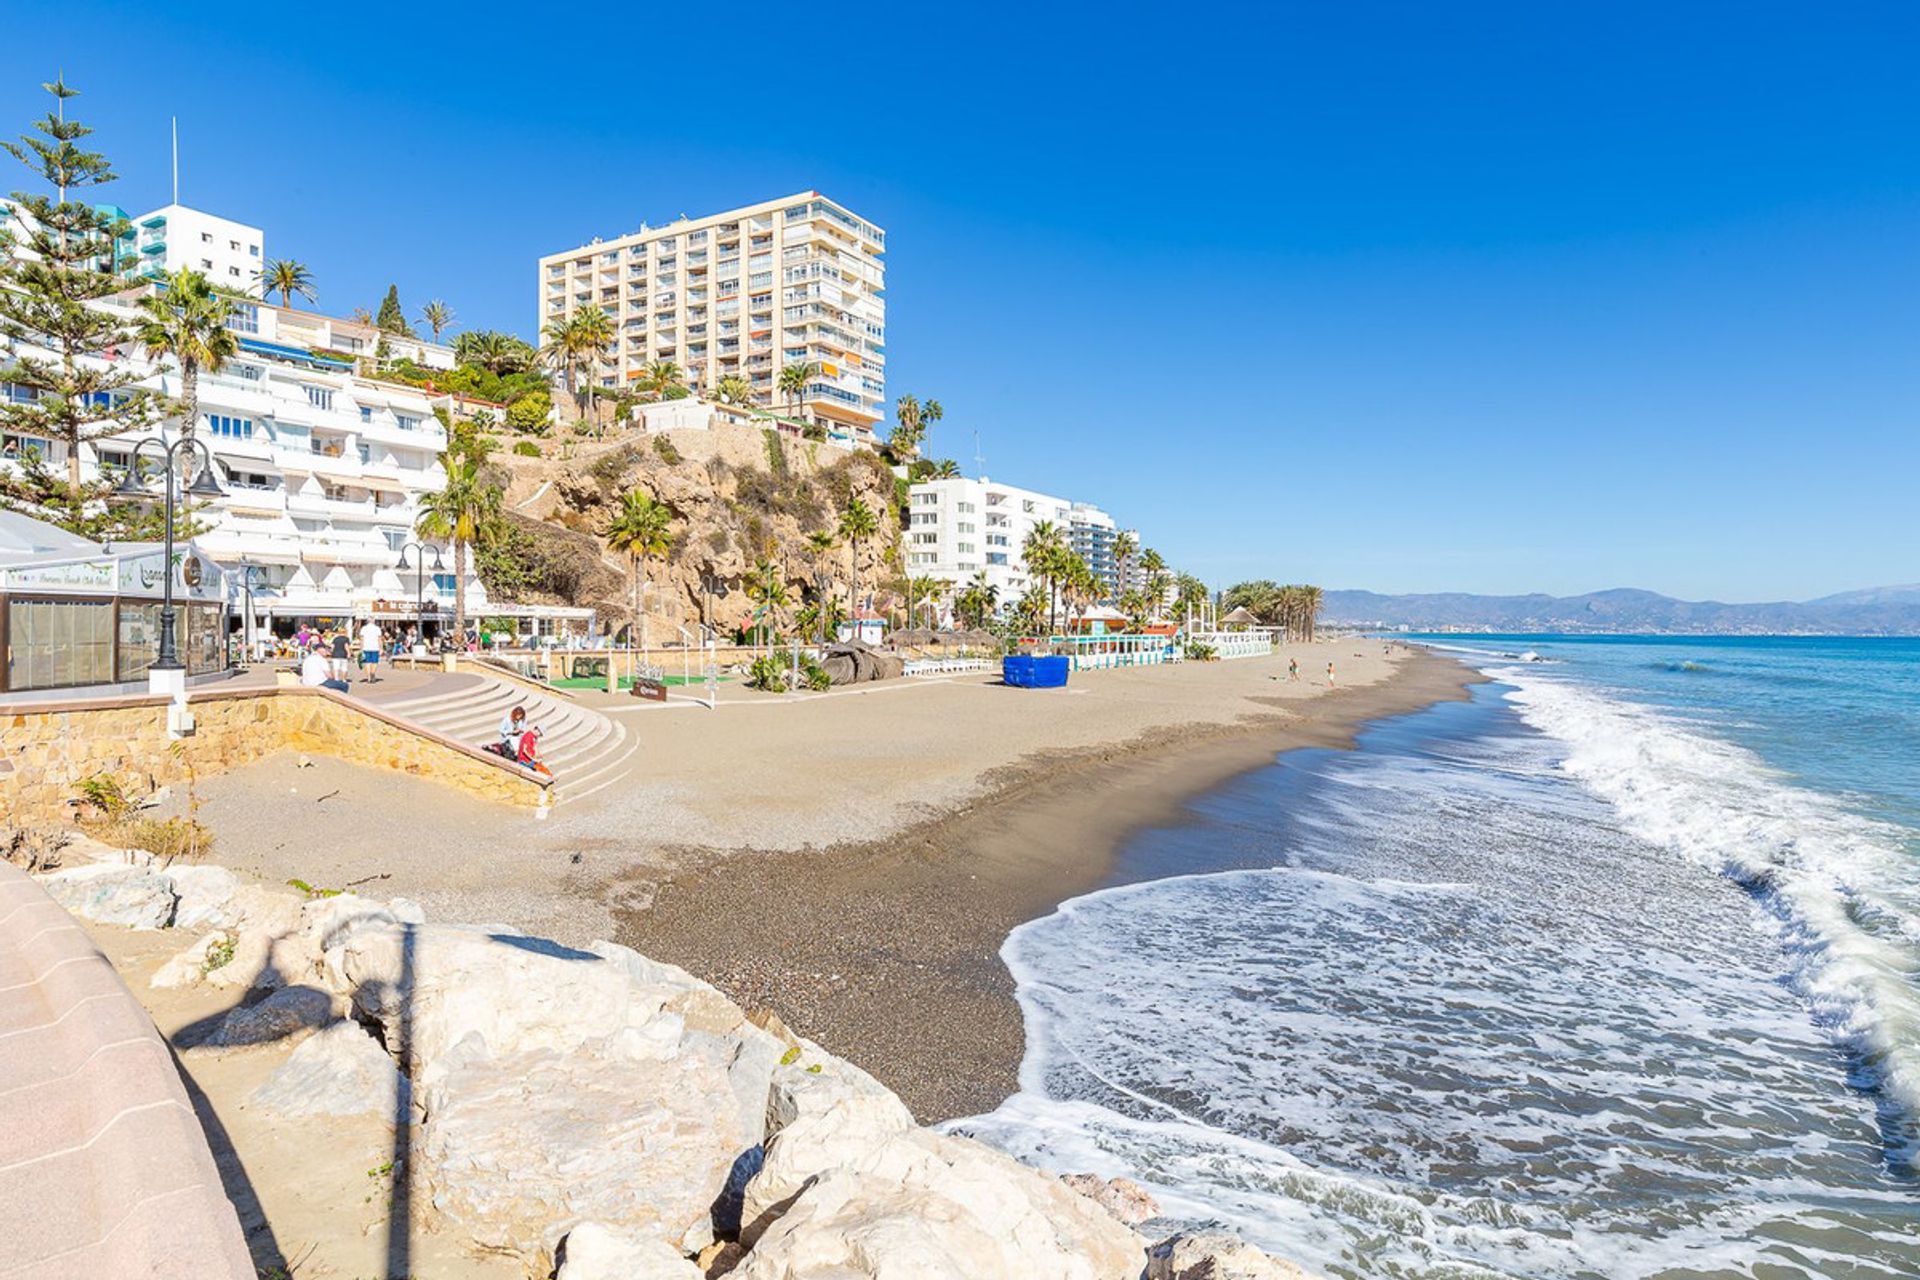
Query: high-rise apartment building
x,y
228,253
745,294
961,527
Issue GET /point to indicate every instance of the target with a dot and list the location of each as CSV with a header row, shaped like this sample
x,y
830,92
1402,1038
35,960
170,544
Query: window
x,y
249,372
206,237
366,413
53,644
232,428
320,397
233,245
206,264
253,250
233,271
243,317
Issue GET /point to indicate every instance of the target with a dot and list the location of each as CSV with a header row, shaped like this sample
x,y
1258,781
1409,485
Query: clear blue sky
x,y
1489,297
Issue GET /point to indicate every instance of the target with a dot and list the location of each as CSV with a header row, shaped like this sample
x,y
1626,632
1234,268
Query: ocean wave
x,y
1838,888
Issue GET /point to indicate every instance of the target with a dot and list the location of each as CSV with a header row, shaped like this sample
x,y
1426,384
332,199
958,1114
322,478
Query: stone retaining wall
x,y
102,1162
47,749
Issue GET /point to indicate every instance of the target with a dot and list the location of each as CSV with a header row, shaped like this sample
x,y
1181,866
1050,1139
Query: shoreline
x,y
887,951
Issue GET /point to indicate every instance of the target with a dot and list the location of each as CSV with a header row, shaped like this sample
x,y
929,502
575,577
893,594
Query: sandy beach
x,y
852,861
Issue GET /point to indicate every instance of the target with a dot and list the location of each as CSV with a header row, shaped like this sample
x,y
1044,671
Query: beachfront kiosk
x,y
81,616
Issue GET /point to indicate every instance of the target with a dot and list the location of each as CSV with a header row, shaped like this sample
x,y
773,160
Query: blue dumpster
x,y
1035,671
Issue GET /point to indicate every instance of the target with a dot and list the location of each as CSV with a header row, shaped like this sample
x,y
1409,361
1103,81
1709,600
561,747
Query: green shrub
x,y
526,449
219,955
768,673
1200,651
668,454
104,792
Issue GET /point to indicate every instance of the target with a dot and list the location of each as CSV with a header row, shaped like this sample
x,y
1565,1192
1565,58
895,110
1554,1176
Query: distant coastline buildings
x,y
742,294
960,527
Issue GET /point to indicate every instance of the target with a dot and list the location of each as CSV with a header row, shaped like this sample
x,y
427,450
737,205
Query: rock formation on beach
x,y
738,495
597,1114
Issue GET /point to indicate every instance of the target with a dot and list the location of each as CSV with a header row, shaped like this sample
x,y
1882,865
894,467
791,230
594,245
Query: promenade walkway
x,y
103,1166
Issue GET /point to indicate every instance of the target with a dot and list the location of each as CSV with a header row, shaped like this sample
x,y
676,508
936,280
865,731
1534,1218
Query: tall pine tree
x,y
391,318
70,355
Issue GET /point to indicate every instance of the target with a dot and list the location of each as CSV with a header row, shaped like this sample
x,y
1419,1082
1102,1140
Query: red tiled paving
x,y
104,1171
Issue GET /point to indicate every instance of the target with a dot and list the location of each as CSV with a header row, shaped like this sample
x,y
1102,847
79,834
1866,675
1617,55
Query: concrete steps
x,y
587,751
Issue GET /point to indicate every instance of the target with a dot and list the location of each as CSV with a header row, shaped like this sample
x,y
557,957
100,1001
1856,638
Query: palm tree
x,y
793,383
493,351
919,590
661,377
468,513
640,531
1125,547
592,330
285,277
186,321
1045,552
560,352
1155,568
820,542
946,469
857,523
914,419
733,389
767,589
978,601
438,316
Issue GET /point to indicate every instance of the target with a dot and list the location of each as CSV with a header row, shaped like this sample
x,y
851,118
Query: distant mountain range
x,y
1878,611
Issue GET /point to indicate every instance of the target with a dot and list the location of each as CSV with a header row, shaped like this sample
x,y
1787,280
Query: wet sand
x,y
887,950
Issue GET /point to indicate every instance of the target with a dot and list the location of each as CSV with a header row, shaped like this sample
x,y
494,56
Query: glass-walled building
x,y
78,616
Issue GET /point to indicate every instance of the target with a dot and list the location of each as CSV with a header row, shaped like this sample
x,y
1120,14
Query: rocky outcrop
x,y
1215,1255
340,1071
1124,1198
854,663
739,495
134,896
595,1111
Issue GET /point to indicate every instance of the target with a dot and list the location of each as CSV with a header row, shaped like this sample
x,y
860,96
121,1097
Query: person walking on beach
x,y
1329,675
338,652
1293,671
369,652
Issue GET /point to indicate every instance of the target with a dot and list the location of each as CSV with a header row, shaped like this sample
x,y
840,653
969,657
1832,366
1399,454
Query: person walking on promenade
x,y
370,652
338,652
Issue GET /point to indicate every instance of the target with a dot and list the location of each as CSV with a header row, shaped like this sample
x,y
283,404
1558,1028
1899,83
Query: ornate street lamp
x,y
204,485
419,567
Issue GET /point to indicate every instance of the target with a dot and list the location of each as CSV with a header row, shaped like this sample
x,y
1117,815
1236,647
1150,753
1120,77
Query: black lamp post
x,y
204,485
249,574
419,567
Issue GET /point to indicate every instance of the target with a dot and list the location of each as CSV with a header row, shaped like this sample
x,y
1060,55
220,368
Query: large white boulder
x,y
520,1147
1215,1255
822,1113
432,986
594,1251
926,1206
204,893
339,1071
138,897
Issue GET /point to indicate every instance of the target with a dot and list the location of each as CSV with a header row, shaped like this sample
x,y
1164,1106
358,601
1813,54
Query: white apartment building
x,y
961,527
324,470
228,253
744,294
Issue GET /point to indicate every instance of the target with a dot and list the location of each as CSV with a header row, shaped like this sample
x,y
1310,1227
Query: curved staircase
x,y
587,751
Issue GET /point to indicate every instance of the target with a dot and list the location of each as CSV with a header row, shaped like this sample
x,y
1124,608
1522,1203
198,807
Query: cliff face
x,y
738,494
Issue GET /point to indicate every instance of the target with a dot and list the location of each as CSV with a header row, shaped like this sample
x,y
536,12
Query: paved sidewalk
x,y
104,1169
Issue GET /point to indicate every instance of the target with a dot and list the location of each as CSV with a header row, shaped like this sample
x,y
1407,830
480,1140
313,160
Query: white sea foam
x,y
1840,887
1474,1028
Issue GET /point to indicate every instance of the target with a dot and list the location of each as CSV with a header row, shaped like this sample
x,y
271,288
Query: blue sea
x,y
1612,971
